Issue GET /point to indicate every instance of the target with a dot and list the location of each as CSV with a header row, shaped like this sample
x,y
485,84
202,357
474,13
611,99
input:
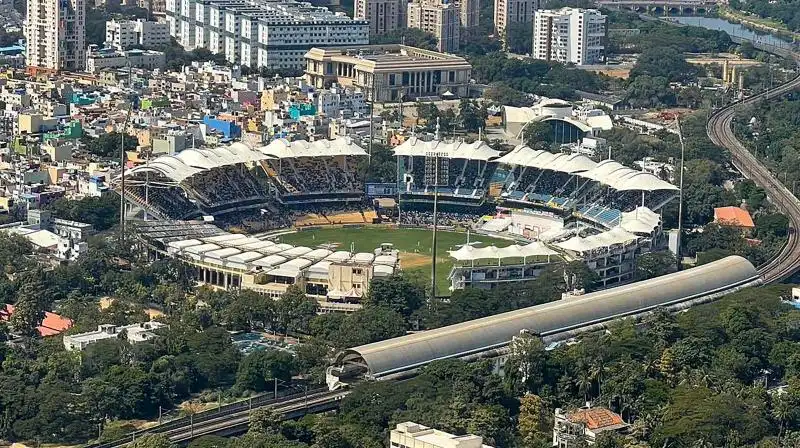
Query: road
x,y
720,130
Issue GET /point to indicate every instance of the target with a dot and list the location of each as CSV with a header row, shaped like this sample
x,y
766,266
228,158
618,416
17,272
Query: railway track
x,y
720,130
233,419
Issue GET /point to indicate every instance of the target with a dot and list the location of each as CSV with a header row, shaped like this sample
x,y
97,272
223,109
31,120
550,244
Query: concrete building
x,y
126,34
569,35
413,435
470,12
584,425
389,72
132,333
443,20
510,11
56,34
260,33
107,59
338,281
339,102
384,16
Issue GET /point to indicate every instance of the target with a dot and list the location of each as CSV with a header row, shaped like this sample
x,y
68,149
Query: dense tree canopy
x,y
109,145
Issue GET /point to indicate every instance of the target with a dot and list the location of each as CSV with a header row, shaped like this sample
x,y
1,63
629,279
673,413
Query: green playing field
x,y
414,245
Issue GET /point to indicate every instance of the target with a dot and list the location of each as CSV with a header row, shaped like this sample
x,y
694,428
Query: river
x,y
733,29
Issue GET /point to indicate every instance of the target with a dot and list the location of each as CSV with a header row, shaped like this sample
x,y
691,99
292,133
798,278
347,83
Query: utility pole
x,y
122,176
680,195
371,124
433,242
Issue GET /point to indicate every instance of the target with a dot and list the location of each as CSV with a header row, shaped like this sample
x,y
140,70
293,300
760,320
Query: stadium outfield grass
x,y
414,245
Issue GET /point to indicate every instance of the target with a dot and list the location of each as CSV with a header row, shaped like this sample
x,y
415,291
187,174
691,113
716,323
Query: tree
x,y
369,325
108,145
249,310
32,301
398,293
654,264
414,37
258,369
783,411
664,62
538,135
265,421
473,116
650,91
526,363
519,37
209,442
294,310
532,426
152,441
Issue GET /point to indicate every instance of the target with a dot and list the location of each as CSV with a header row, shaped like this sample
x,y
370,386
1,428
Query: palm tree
x,y
584,383
596,373
782,412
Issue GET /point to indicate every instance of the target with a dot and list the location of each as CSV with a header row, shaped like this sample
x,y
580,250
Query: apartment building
x,y
98,60
55,31
387,73
569,35
384,16
510,11
125,34
260,33
443,20
470,12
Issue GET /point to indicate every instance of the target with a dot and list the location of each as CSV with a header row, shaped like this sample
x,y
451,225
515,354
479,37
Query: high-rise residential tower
x,y
470,12
569,35
440,19
510,11
384,16
55,31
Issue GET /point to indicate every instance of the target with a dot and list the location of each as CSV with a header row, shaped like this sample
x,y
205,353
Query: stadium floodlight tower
x,y
437,167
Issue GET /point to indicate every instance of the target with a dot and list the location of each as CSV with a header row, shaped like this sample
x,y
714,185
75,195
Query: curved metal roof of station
x,y
415,350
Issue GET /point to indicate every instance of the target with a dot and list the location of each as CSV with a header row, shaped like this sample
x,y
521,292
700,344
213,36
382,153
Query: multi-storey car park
x,y
259,33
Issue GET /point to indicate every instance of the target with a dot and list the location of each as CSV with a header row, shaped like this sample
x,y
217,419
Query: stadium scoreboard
x,y
437,169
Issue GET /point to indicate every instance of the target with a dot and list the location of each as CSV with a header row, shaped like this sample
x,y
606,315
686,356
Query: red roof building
x,y
52,324
584,424
733,217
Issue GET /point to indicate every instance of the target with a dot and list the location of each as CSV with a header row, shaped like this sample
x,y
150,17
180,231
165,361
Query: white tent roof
x,y
622,178
272,260
245,257
283,149
189,162
564,163
455,150
222,253
641,220
471,253
617,235
519,114
258,245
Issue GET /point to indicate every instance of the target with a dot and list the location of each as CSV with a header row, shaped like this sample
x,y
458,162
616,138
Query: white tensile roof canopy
x,y
455,150
607,172
471,253
189,162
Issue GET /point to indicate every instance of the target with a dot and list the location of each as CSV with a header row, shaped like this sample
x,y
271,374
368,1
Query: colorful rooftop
x,y
51,325
733,216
